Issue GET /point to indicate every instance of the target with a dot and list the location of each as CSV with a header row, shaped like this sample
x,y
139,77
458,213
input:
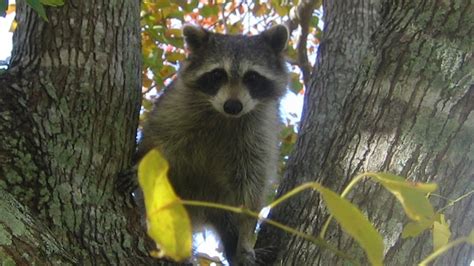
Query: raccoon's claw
x,y
126,181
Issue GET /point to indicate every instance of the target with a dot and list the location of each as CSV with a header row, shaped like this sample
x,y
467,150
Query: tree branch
x,y
302,17
24,239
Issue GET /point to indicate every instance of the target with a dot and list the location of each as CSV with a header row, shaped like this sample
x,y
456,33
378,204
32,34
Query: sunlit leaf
x,y
260,10
11,8
314,21
147,104
52,2
413,229
162,3
167,71
355,224
441,233
208,10
168,222
146,81
174,33
188,6
175,56
411,195
296,84
13,26
279,8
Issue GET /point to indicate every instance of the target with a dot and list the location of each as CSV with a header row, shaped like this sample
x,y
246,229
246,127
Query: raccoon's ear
x,y
277,37
194,36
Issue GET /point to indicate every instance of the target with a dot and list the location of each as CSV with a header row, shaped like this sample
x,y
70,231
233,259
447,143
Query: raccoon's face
x,y
235,73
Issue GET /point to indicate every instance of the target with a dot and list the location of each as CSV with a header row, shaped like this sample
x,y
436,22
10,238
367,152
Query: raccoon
x,y
217,125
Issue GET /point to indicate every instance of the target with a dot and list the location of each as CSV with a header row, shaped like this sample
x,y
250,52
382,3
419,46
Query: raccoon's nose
x,y
232,107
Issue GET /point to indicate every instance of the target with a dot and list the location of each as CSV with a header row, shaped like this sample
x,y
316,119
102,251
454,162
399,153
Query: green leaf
x,y
3,7
314,21
52,2
355,224
208,11
38,8
413,229
162,3
441,233
168,222
411,195
279,8
189,6
147,104
295,85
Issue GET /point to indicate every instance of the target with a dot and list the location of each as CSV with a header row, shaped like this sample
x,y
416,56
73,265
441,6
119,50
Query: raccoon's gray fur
x,y
217,125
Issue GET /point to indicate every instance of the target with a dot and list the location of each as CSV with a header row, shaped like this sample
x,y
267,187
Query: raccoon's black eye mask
x,y
211,81
258,86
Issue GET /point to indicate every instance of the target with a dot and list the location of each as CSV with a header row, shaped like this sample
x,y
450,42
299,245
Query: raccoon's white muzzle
x,y
233,102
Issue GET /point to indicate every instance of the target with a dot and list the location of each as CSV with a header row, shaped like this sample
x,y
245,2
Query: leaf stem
x,y
452,202
442,250
292,193
241,210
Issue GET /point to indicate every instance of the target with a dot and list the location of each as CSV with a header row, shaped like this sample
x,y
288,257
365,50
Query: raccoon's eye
x,y
252,78
258,85
218,74
211,81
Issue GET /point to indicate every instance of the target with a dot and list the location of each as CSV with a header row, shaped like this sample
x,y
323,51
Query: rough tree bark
x,y
397,97
69,108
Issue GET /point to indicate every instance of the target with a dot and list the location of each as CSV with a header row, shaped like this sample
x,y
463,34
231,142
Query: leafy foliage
x,y
162,41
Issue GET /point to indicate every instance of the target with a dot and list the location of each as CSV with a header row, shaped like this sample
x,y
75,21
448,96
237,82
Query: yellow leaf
x,y
11,8
175,56
168,222
13,26
174,33
411,195
355,224
441,233
146,81
167,71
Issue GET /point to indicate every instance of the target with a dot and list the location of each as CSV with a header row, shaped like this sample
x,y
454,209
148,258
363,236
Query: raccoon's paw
x,y
127,181
244,258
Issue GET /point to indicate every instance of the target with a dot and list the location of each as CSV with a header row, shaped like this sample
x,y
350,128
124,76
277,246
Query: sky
x,y
6,36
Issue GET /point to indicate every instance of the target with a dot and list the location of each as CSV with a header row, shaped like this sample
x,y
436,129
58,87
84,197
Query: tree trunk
x,y
402,106
69,108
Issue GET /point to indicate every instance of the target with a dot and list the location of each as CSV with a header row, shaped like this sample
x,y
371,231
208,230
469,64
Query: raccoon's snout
x,y
233,107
